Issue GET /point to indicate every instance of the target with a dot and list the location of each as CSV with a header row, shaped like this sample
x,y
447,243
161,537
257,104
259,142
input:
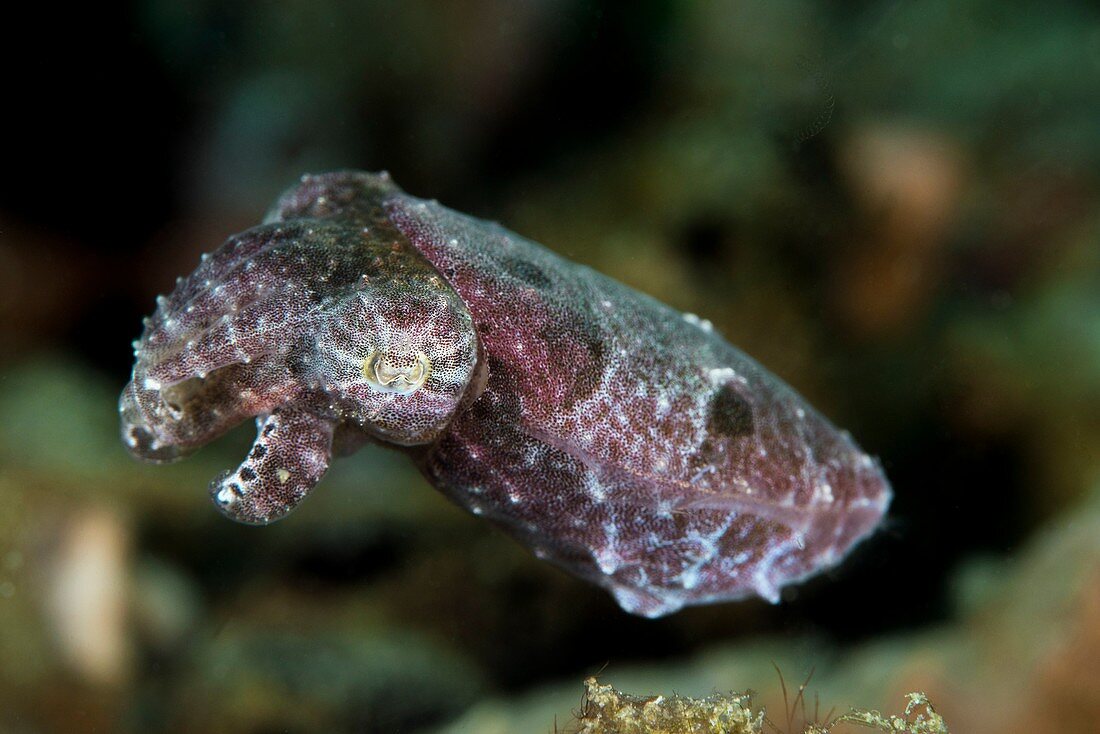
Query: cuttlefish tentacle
x,y
291,453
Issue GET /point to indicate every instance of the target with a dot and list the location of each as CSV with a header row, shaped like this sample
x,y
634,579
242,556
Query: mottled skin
x,y
616,437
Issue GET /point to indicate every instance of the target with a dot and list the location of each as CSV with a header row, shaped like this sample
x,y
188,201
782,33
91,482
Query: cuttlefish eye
x,y
396,373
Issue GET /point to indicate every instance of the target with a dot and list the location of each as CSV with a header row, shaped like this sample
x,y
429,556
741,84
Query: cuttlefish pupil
x,y
396,373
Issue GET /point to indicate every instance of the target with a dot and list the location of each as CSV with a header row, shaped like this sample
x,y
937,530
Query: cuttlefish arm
x,y
291,453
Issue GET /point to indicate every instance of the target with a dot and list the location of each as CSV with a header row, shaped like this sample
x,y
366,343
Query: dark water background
x,y
895,206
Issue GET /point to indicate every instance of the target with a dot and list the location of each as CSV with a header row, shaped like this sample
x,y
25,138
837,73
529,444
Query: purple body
x,y
614,436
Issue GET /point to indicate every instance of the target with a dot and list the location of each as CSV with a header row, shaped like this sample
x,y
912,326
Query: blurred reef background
x,y
895,206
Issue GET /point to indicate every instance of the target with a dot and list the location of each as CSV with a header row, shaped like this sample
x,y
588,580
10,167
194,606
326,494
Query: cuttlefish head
x,y
312,326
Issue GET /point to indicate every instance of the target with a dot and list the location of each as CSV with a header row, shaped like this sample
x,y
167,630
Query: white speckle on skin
x,y
719,375
595,489
283,475
699,323
689,579
764,586
606,560
607,557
